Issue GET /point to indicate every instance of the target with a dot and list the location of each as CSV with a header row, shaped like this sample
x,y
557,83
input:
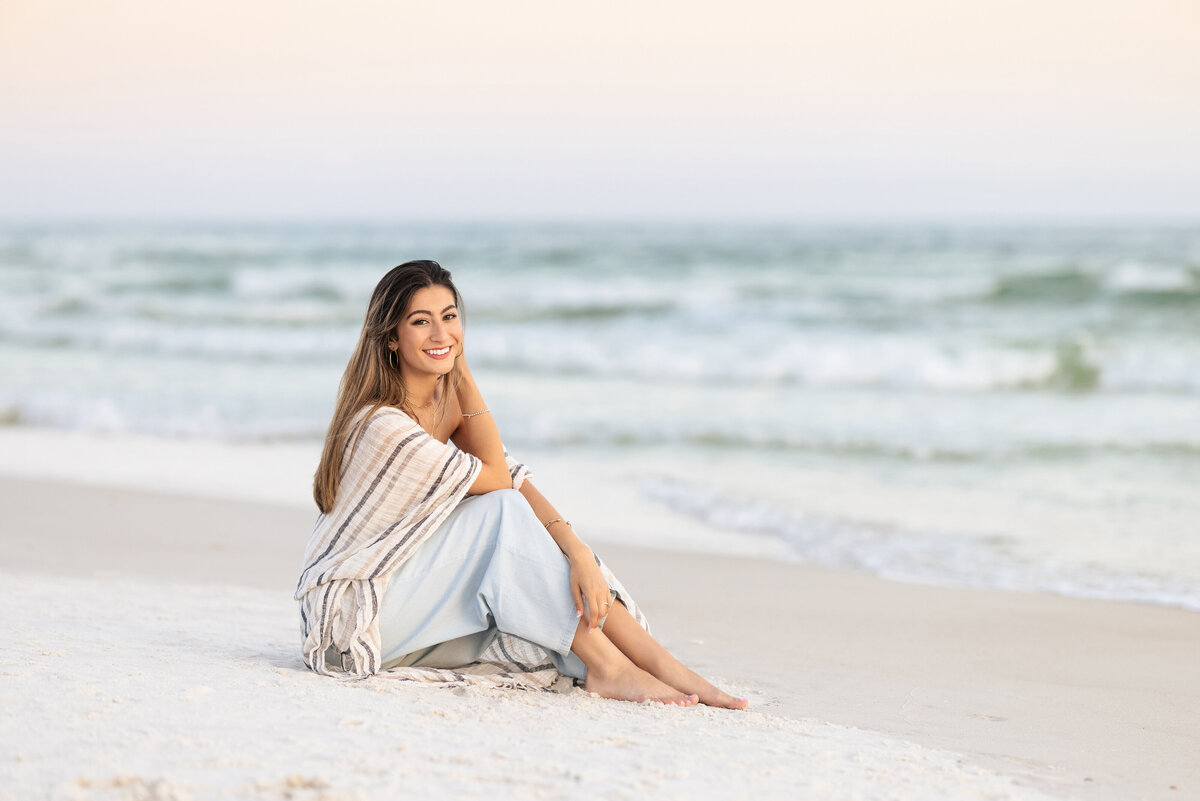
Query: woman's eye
x,y
450,316
420,322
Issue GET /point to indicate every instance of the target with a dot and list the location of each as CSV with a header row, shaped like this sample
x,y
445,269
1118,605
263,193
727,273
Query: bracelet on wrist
x,y
549,523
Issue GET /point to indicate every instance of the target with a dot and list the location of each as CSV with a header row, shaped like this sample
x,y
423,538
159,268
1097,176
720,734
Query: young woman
x,y
439,561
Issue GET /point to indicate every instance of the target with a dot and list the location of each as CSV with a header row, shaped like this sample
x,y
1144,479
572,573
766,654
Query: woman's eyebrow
x,y
424,311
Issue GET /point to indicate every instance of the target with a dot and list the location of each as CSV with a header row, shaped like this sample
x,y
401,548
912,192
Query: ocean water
x,y
1003,407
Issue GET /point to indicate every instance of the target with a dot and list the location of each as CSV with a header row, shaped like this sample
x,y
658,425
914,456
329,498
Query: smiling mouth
x,y
439,351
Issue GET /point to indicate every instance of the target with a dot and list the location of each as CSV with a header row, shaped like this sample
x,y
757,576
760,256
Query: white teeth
x,y
439,352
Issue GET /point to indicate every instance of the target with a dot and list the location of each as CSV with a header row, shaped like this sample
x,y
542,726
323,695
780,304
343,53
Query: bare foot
x,y
674,673
630,683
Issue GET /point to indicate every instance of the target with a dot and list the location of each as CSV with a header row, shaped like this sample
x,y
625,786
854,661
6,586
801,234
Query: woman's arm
x,y
564,536
587,582
477,435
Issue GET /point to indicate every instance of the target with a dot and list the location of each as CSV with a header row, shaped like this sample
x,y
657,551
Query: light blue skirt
x,y
490,567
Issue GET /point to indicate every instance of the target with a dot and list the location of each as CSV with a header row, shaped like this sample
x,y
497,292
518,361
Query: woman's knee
x,y
508,505
508,495
516,509
519,525
502,500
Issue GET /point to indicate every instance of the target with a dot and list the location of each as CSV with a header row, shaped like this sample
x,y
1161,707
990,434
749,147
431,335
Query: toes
x,y
687,700
725,701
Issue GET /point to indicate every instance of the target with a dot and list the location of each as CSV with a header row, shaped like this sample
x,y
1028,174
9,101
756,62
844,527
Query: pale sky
x,y
838,110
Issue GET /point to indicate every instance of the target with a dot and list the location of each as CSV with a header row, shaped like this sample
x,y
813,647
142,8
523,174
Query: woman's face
x,y
429,337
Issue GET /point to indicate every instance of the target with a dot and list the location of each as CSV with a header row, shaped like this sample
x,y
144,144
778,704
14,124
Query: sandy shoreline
x,y
1073,698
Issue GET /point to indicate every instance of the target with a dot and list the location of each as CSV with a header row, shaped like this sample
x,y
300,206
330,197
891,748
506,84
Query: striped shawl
x,y
398,484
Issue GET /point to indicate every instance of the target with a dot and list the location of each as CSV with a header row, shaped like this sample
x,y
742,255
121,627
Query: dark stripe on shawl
x,y
374,611
327,622
517,663
370,656
503,650
433,487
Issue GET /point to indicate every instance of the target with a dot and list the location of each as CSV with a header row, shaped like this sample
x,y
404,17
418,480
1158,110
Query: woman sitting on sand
x,y
442,562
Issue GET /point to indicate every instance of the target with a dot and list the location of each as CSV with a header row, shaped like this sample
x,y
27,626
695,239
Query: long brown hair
x,y
372,378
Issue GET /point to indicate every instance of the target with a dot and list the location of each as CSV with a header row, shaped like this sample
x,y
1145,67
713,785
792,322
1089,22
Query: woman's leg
x,y
646,652
492,567
611,674
482,571
527,584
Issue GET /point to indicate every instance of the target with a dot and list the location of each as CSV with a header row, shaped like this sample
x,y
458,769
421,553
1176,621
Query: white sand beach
x,y
153,654
859,340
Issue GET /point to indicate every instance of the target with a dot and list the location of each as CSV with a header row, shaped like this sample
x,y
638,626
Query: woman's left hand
x,y
588,584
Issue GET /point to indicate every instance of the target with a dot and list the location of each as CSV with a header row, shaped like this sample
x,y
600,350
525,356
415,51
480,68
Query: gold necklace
x,y
415,408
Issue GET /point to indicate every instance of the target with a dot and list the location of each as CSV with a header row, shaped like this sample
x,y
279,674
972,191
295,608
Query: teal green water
x,y
1055,370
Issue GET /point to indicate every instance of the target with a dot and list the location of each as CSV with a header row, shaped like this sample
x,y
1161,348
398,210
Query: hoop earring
x,y
392,358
